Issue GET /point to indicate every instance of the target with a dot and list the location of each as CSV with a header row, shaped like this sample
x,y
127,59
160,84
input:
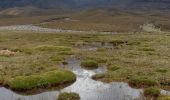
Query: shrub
x,y
89,64
141,81
69,96
152,91
42,80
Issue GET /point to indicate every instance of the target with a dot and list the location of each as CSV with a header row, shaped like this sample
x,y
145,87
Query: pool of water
x,y
88,88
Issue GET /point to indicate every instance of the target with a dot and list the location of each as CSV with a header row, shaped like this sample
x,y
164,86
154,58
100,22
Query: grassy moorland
x,y
141,59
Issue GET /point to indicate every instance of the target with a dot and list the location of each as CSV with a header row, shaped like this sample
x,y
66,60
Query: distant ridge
x,y
82,4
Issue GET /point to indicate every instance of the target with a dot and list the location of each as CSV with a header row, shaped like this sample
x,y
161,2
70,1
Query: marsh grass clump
x,y
46,48
163,97
117,42
134,43
165,82
113,68
43,80
53,48
69,96
1,80
98,76
161,70
89,64
152,92
147,49
142,81
57,58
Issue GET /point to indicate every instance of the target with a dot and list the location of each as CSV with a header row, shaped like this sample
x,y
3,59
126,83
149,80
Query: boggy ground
x,y
141,59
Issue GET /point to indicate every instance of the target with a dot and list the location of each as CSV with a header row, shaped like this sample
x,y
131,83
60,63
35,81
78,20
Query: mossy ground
x,y
144,54
89,64
152,92
138,81
50,78
68,96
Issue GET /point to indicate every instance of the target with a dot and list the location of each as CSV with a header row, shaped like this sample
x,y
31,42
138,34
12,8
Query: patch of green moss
x,y
69,96
42,80
152,91
89,64
57,58
142,81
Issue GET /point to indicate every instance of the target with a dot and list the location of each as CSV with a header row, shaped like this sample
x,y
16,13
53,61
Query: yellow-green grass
x,y
51,78
132,59
152,92
142,81
89,64
163,97
68,96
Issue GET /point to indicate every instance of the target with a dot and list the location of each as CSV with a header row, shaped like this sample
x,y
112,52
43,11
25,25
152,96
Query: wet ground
x,y
87,88
31,28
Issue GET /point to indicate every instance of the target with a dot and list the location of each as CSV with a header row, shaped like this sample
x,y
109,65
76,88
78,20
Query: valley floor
x,y
141,59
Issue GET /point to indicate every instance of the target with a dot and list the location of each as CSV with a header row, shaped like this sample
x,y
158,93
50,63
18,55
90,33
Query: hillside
x,y
80,4
109,20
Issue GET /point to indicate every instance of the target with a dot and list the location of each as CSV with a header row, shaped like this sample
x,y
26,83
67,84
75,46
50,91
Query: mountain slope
x,y
128,4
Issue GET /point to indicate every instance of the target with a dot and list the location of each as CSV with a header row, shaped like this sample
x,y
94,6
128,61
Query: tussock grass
x,y
41,80
98,76
52,48
132,60
1,79
142,81
152,91
113,68
89,64
68,96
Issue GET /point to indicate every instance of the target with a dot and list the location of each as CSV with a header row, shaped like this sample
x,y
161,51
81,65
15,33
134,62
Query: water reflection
x,y
87,88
